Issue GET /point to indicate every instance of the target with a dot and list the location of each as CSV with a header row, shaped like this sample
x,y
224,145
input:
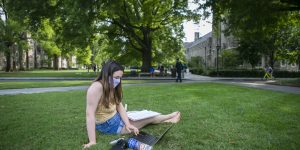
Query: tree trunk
x,y
272,60
61,62
42,60
55,62
14,65
35,56
21,60
27,60
8,61
146,60
147,51
68,62
298,62
14,61
7,52
49,62
252,67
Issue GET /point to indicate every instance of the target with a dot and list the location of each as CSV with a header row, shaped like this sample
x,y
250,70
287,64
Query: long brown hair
x,y
110,94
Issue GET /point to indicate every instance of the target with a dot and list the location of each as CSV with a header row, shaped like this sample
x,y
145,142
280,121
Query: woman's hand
x,y
89,144
131,128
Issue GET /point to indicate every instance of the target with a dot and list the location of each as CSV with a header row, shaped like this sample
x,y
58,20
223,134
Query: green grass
x,y
214,116
42,84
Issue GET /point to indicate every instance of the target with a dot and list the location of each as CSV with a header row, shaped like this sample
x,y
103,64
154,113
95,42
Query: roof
x,y
200,40
187,44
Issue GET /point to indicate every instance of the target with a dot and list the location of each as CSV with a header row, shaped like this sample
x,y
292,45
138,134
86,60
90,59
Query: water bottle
x,y
137,145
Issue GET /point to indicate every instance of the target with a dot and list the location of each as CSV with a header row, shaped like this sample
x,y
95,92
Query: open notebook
x,y
139,115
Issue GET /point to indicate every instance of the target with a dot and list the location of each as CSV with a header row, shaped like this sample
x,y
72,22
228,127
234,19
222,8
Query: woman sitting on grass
x,y
104,110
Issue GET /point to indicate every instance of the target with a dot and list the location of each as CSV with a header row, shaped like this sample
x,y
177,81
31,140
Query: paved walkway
x,y
189,78
41,90
247,82
72,78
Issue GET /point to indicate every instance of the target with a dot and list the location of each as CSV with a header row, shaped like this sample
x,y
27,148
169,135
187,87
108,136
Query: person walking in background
x,y
161,69
94,68
266,76
173,71
268,72
151,71
178,67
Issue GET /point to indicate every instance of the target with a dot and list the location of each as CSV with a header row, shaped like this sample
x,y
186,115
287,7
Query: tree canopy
x,y
259,25
135,32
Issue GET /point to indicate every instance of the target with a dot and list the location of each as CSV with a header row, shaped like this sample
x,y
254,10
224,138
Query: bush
x,y
253,73
231,58
286,74
198,71
237,73
196,62
196,65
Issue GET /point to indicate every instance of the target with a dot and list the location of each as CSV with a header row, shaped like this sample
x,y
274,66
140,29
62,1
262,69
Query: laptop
x,y
143,137
150,139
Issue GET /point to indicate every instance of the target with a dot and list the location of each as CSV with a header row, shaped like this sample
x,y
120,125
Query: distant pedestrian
x,y
94,68
268,72
173,72
178,70
161,69
151,70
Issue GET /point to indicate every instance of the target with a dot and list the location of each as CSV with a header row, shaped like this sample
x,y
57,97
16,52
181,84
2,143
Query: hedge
x,y
253,73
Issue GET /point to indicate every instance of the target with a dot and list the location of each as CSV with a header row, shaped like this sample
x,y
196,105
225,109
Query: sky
x,y
190,27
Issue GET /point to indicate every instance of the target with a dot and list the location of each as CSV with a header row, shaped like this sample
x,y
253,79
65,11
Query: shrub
x,y
231,58
198,71
237,73
196,65
253,73
286,74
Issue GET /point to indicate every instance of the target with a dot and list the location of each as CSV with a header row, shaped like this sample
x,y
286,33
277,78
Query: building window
x,y
283,63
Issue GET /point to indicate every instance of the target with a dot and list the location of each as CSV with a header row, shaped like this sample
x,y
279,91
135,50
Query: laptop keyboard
x,y
146,138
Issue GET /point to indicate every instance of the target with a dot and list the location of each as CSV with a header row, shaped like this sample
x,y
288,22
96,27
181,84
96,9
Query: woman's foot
x,y
175,117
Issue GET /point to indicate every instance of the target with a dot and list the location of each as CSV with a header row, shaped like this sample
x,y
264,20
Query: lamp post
x,y
205,59
217,59
219,38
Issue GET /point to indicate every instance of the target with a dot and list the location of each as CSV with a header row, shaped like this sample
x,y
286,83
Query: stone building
x,y
211,44
34,58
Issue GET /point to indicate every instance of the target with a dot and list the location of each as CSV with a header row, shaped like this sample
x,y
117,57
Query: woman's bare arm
x,y
94,94
123,114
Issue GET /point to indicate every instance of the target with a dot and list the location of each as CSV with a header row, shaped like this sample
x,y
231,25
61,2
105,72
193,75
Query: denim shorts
x,y
113,125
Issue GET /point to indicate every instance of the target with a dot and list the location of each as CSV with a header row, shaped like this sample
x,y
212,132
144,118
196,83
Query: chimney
x,y
196,36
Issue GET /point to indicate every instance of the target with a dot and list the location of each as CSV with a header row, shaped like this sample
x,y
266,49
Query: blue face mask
x,y
116,82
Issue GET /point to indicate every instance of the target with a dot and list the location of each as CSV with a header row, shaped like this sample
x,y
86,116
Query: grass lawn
x,y
214,116
40,84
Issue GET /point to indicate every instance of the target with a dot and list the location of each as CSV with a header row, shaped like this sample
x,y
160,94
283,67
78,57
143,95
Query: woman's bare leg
x,y
171,118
